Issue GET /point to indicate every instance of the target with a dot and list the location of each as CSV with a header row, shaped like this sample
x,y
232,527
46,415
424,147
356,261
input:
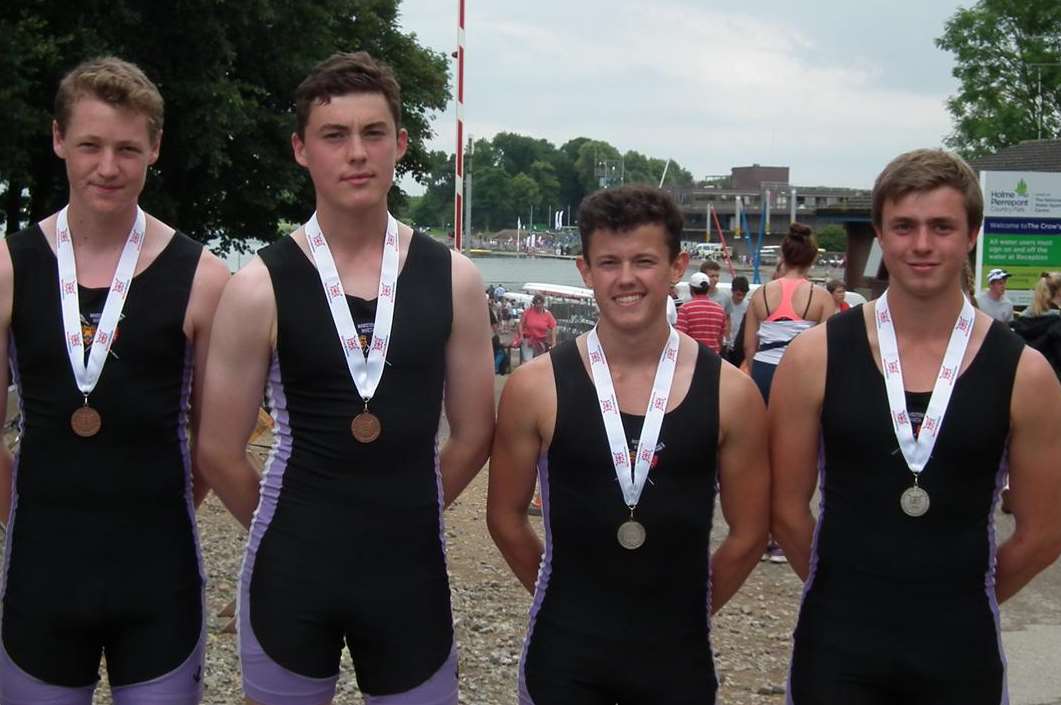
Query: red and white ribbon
x,y
365,373
632,481
87,374
917,451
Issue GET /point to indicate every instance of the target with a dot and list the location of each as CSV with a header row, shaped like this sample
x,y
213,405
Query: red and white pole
x,y
458,181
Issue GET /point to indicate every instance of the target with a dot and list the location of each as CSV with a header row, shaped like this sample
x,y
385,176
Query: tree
x,y
227,71
833,238
525,195
435,207
1001,49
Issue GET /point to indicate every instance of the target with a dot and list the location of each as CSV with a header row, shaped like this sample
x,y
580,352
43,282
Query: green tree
x,y
833,238
228,71
492,199
544,175
525,196
592,154
435,207
1002,48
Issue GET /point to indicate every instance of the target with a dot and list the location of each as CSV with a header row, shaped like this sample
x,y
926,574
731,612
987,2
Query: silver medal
x,y
915,501
631,535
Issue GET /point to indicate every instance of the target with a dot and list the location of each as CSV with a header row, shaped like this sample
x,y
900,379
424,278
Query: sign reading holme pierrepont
x,y
1022,229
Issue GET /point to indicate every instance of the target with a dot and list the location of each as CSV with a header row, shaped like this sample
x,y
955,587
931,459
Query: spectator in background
x,y
738,307
994,301
700,318
537,330
836,289
713,270
1040,324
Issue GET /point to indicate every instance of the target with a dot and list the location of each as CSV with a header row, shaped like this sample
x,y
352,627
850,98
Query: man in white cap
x,y
702,319
994,301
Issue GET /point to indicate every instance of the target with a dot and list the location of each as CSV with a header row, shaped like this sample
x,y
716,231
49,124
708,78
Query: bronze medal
x,y
86,422
365,427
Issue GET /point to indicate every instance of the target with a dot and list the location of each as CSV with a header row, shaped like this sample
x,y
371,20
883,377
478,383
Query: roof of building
x,y
1031,155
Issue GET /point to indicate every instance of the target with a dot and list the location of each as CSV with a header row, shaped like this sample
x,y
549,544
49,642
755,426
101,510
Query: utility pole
x,y
1039,74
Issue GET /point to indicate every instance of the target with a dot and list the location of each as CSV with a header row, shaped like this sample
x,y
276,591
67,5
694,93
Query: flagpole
x,y
458,181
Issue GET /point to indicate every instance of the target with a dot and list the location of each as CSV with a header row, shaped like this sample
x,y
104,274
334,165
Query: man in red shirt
x,y
701,318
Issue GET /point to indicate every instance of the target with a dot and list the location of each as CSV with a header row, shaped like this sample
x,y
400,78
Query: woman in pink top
x,y
537,329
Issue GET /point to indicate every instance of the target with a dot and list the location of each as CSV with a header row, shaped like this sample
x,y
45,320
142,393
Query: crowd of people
x,y
141,367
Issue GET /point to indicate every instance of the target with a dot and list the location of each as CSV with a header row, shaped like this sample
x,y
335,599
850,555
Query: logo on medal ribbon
x,y
901,418
893,367
646,455
620,458
64,236
659,403
379,343
102,337
391,239
352,343
594,358
119,287
386,291
317,241
137,238
74,339
69,287
963,324
930,425
334,290
883,316
607,406
947,374
672,353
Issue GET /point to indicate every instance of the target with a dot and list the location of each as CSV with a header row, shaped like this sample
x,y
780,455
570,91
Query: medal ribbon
x,y
365,373
632,482
87,374
918,451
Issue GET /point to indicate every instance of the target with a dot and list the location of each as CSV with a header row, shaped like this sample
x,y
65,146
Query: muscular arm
x,y
7,296
237,363
794,429
513,463
1034,476
744,480
469,382
210,279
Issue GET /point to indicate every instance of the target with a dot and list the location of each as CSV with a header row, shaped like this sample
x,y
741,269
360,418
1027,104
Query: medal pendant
x,y
631,535
915,501
86,422
365,427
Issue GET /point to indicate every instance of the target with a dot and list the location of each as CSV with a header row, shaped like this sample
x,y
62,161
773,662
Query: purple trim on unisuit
x,y
545,571
992,565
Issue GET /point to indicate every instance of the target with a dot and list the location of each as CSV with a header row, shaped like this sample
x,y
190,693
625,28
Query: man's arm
x,y
210,279
241,344
744,482
1034,476
7,298
513,463
794,419
469,382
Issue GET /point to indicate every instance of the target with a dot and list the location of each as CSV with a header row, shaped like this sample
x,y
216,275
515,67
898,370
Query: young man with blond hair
x,y
355,326
907,413
105,313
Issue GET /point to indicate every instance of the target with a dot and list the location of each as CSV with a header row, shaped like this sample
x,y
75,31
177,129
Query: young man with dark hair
x,y
907,413
738,307
631,429
354,325
105,313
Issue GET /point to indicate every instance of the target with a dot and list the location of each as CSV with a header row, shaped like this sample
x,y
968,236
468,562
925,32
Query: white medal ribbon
x,y
365,373
87,374
918,451
632,482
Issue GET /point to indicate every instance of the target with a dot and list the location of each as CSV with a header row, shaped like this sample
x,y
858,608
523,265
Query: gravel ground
x,y
751,635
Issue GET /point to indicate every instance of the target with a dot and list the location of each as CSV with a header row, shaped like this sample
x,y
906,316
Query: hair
x,y
627,207
116,82
1046,290
833,284
537,299
799,249
739,284
926,170
346,73
710,265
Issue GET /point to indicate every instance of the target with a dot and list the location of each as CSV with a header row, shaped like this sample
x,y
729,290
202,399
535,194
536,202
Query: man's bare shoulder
x,y
532,382
251,289
465,274
809,347
211,272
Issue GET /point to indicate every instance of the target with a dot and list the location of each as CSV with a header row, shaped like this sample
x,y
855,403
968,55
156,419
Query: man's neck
x,y
626,349
353,231
923,319
95,231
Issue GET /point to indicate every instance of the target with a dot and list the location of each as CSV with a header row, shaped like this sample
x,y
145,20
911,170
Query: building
x,y
747,188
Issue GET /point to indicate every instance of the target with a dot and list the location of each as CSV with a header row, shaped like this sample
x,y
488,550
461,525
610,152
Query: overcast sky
x,y
834,88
